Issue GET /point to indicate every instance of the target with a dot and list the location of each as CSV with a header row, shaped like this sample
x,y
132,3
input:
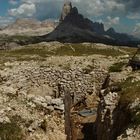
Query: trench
x,y
88,131
79,120
84,124
83,130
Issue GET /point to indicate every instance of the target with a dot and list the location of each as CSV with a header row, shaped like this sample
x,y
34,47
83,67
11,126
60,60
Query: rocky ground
x,y
34,79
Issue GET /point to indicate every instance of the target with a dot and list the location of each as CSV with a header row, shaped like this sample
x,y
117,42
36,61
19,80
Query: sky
x,y
122,15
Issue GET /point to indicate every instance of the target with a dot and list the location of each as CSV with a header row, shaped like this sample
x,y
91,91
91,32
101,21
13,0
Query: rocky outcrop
x,y
66,10
74,27
117,117
77,20
110,31
111,118
132,133
120,37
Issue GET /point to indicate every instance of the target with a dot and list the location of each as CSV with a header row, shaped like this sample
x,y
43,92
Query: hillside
x,y
74,83
33,83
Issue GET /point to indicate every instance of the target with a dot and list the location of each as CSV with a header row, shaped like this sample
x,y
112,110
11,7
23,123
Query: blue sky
x,y
123,15
4,6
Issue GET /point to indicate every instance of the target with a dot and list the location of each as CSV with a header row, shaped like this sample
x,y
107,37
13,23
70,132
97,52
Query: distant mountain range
x,y
26,26
73,27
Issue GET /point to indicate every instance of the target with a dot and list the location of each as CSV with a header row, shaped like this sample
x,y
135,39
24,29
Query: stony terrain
x,y
67,91
33,81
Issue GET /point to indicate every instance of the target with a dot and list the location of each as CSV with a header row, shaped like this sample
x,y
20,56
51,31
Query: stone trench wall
x,y
49,81
112,118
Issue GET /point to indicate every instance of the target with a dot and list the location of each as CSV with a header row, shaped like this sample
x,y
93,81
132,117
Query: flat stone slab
x,y
87,112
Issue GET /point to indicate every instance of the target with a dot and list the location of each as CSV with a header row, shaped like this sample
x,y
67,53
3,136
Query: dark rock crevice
x,y
113,118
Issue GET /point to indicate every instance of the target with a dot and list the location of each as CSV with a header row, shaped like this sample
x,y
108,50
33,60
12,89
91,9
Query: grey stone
x,y
57,102
61,107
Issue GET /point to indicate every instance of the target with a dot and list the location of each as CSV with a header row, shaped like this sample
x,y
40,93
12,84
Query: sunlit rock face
x,y
66,10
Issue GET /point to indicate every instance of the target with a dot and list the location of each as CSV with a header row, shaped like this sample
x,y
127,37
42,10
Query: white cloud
x,y
100,7
13,2
88,8
95,8
33,1
24,10
113,21
111,5
134,16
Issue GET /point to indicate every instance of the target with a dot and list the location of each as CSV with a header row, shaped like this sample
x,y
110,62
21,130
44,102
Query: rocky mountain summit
x,y
73,27
66,10
71,16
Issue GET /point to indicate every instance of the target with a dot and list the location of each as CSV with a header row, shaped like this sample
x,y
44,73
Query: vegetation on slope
x,y
117,67
11,131
130,91
67,49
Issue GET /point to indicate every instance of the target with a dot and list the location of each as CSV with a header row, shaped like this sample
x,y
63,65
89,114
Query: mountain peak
x,y
111,31
74,27
67,7
74,10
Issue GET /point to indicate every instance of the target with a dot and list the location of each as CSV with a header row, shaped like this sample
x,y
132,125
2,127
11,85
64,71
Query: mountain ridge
x,y
73,27
29,26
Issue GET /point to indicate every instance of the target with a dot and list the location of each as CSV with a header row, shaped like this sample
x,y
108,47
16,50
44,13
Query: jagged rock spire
x,y
67,7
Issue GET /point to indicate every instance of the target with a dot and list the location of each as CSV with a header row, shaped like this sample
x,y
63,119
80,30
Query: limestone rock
x,y
111,120
57,102
66,10
5,120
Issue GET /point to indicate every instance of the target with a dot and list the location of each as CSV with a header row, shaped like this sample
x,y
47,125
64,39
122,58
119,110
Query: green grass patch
x,y
129,50
68,50
80,50
117,67
130,90
29,52
10,131
135,117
